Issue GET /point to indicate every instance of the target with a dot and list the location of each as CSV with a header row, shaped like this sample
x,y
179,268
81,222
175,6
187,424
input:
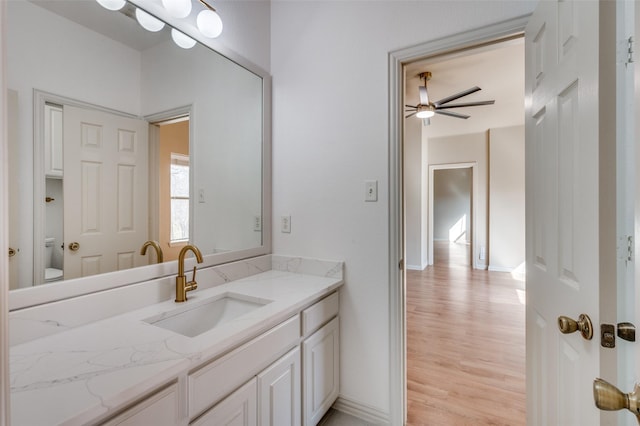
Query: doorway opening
x,y
451,214
172,171
439,51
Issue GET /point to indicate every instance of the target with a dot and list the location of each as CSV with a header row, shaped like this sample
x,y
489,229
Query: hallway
x,y
465,344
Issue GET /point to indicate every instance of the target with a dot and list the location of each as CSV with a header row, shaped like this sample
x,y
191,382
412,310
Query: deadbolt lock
x,y
607,336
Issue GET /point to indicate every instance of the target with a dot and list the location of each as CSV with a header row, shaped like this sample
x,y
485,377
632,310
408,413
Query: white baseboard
x,y
362,411
414,267
500,269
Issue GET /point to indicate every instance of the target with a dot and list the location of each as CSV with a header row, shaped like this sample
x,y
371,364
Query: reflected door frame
x,y
474,197
154,160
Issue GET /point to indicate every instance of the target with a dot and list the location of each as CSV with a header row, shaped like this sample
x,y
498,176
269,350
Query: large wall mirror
x,y
118,136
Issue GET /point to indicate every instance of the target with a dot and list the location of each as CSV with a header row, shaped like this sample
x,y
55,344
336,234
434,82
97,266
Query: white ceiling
x,y
120,26
497,69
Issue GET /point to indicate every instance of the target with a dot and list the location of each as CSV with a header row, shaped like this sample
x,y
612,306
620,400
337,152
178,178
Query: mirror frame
x,y
42,294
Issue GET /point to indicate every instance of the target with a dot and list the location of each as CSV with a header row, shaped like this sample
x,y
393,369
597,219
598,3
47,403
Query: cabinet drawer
x,y
319,314
214,381
238,409
159,409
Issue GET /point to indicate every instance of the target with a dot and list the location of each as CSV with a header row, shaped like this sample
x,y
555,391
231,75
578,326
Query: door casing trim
x,y
396,61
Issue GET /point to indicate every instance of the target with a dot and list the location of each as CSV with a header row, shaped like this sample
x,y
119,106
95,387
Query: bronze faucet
x,y
182,286
156,246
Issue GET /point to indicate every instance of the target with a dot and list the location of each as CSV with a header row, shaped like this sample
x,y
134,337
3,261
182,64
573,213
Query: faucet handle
x,y
193,279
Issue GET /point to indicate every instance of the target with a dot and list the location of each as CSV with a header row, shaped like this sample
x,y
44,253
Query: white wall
x,y
451,203
330,103
506,198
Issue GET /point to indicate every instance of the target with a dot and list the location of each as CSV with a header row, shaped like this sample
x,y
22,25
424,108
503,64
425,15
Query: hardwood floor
x,y
465,344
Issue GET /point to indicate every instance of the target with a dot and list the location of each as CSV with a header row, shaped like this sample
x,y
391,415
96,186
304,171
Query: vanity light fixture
x,y
209,22
148,22
182,39
112,4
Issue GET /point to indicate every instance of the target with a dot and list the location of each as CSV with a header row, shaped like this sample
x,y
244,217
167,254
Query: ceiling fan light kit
x,y
426,109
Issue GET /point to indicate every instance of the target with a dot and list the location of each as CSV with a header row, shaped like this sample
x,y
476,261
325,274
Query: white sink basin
x,y
197,318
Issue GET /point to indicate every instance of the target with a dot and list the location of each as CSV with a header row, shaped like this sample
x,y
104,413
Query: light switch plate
x,y
285,224
371,190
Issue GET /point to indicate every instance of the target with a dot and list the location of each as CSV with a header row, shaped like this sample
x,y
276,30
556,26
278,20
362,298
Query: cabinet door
x,y
238,409
279,401
53,141
321,376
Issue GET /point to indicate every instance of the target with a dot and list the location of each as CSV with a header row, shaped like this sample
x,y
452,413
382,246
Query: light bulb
x,y
209,23
425,114
112,4
177,8
148,22
181,39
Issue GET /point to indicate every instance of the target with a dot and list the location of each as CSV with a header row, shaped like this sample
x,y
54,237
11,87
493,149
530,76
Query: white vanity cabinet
x,y
293,389
320,358
159,409
210,384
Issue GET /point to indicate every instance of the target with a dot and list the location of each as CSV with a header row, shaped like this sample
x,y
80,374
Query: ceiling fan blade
x,y
424,96
411,106
452,114
457,96
468,104
411,115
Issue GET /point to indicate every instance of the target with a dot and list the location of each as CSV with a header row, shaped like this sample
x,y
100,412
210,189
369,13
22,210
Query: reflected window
x,y
179,198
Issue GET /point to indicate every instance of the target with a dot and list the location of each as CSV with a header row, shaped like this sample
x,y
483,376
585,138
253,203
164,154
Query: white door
x,y
105,191
570,207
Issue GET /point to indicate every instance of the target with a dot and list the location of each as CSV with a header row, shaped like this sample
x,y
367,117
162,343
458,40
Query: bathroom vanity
x,y
272,357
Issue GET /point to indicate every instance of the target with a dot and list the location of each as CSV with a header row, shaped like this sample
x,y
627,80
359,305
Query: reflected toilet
x,y
50,273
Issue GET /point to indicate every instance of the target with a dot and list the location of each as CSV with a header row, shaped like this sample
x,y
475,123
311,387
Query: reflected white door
x,y
570,259
105,191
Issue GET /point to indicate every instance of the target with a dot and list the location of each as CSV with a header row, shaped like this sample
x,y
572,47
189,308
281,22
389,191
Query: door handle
x,y
74,246
609,398
13,252
568,325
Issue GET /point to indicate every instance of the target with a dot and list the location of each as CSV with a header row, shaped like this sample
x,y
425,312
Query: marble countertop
x,y
93,370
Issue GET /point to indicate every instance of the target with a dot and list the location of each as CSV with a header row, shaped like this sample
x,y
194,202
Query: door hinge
x,y
401,264
625,248
625,51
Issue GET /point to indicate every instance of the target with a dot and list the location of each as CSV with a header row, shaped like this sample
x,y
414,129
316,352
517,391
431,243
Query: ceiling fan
x,y
427,109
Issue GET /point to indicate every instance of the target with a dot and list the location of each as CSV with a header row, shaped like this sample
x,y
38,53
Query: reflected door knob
x,y
610,398
568,325
74,246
